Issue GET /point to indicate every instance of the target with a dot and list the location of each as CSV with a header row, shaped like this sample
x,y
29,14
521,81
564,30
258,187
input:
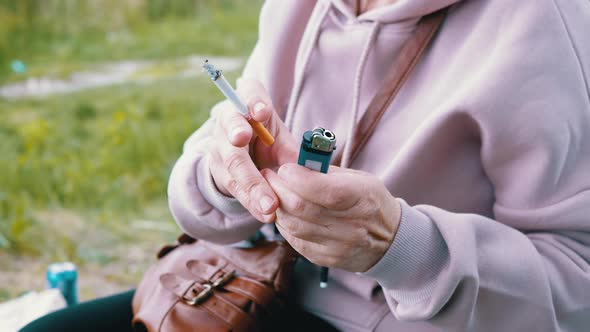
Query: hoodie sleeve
x,y
528,267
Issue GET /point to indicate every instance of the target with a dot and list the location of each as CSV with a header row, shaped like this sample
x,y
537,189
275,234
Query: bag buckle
x,y
224,279
201,297
208,289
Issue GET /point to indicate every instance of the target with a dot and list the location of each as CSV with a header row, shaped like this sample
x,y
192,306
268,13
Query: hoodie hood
x,y
398,11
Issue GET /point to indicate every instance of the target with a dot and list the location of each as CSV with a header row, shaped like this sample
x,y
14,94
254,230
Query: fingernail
x,y
266,203
282,171
268,217
259,106
236,132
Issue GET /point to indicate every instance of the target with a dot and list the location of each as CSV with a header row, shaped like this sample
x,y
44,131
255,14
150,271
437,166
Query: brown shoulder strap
x,y
398,73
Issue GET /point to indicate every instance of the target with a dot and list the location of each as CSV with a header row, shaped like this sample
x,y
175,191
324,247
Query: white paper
x,y
18,312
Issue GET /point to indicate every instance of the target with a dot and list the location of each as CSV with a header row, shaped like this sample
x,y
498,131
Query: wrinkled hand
x,y
236,155
345,219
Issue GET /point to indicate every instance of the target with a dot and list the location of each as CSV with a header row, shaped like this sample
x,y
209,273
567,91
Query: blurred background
x,y
96,99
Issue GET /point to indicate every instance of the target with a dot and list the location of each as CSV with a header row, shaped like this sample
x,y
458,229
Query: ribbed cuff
x,y
412,263
229,206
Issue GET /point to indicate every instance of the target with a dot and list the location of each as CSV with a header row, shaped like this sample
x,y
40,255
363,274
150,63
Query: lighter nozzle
x,y
323,140
213,72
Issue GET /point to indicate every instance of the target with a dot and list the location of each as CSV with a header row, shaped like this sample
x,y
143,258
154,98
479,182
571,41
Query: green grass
x,y
101,150
62,41
79,172
104,152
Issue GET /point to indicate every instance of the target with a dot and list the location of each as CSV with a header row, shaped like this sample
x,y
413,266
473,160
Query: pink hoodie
x,y
487,147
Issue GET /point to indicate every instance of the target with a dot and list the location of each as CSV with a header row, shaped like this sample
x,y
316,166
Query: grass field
x,y
83,175
58,37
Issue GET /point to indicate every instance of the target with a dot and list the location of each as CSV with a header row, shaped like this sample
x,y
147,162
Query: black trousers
x,y
114,314
111,313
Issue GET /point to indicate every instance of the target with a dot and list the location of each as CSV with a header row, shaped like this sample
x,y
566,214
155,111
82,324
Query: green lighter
x,y
315,153
316,149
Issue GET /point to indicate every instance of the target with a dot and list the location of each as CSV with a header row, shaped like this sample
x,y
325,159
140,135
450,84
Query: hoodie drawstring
x,y
358,78
298,84
299,78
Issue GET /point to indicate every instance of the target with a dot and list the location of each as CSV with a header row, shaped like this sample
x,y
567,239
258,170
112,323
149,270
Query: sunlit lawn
x,y
61,45
83,176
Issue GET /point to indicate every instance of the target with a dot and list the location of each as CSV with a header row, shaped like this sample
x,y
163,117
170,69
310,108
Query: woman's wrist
x,y
391,218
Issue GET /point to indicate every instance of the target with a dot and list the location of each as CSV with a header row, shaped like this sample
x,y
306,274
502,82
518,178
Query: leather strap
x,y
204,271
176,284
229,313
398,74
216,305
253,290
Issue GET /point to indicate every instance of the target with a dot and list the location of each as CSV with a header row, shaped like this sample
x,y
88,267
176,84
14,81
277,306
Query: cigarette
x,y
232,96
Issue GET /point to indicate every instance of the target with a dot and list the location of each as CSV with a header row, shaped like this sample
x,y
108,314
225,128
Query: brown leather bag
x,y
200,286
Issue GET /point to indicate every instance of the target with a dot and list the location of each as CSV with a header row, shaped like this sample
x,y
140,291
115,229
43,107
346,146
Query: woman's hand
x,y
345,219
236,155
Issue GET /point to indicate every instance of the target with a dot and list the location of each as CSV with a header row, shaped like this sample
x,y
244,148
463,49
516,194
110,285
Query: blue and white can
x,y
64,276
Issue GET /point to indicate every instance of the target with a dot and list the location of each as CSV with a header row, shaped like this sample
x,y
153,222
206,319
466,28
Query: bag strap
x,y
398,74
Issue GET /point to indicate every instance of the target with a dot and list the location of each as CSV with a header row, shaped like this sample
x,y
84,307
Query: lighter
x,y
316,149
315,153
